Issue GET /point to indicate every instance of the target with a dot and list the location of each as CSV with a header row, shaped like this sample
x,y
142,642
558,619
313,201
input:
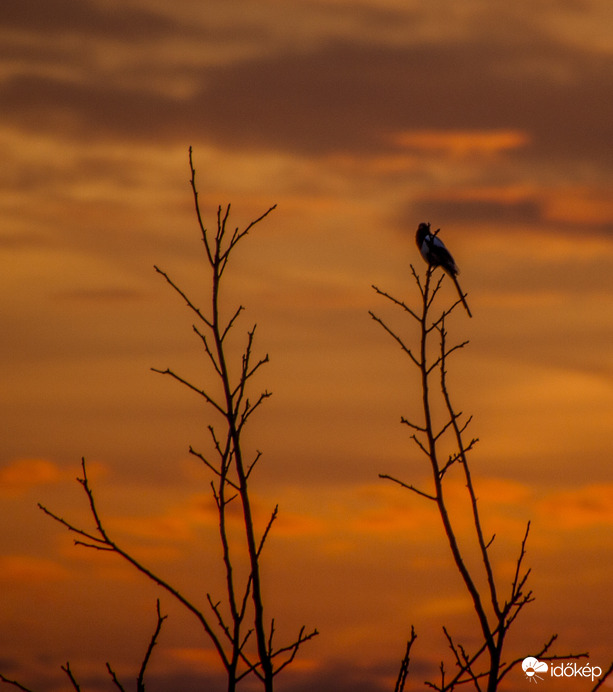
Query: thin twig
x,y
140,681
603,678
428,496
183,381
114,678
404,664
71,677
14,683
396,338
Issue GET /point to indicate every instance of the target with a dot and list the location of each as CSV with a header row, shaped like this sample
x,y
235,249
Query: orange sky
x,y
493,121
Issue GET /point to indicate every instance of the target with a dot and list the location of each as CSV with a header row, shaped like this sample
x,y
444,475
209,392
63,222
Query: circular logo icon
x,y
532,666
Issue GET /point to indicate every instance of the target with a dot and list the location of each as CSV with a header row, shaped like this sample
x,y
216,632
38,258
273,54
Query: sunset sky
x,y
492,120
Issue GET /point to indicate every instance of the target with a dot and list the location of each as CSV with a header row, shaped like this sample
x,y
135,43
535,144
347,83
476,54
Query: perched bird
x,y
435,253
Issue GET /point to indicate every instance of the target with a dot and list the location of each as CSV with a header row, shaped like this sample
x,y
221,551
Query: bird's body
x,y
435,253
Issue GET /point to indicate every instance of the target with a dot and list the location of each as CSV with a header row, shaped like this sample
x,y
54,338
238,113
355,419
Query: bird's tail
x,y
462,298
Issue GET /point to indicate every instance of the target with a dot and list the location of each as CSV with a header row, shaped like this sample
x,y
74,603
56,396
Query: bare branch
x,y
231,322
408,487
445,427
603,678
249,410
253,463
215,470
397,302
215,608
14,683
183,295
517,581
207,348
421,446
404,664
396,338
419,428
202,393
266,531
71,677
197,208
99,543
464,663
114,678
237,236
140,684
112,546
270,636
293,648
542,655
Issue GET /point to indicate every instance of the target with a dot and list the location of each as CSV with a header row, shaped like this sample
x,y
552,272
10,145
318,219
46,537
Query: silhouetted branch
x,y
104,542
400,342
404,664
184,296
202,393
292,649
114,678
140,684
266,530
68,672
603,678
408,487
16,684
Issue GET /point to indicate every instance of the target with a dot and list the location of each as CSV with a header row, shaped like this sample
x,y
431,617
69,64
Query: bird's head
x,y
422,231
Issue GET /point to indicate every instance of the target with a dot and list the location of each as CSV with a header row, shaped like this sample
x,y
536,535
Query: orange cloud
x,y
587,506
200,659
22,474
292,524
176,523
581,205
461,143
27,570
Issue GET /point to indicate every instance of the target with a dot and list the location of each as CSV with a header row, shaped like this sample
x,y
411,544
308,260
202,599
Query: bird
x,y
435,253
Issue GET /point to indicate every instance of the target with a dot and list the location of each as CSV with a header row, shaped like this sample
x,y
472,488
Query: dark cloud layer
x,y
343,97
63,17
446,211
348,97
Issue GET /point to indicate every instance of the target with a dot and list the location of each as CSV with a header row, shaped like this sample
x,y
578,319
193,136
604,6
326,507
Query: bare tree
x,y
231,469
236,624
496,608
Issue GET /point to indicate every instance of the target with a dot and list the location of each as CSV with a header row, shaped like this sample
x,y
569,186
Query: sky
x,y
358,119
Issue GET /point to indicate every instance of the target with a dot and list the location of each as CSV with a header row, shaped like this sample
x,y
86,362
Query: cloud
x,y
27,570
350,96
488,211
577,508
100,295
197,659
459,144
336,95
64,18
21,475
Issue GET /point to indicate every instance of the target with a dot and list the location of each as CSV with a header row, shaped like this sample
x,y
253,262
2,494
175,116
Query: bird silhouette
x,y
435,253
